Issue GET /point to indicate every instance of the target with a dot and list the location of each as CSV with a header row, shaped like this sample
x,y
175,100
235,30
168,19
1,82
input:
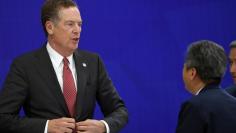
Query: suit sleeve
x,y
12,97
190,119
111,104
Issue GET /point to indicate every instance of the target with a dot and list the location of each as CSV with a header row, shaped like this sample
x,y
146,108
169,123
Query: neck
x,y
197,87
62,51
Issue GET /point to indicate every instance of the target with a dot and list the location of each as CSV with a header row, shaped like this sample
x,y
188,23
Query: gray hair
x,y
50,9
208,58
232,44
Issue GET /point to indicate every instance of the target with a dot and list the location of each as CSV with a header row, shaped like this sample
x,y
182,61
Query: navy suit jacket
x,y
33,85
212,111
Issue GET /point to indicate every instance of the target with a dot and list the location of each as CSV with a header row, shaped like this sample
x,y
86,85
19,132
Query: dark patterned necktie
x,y
69,89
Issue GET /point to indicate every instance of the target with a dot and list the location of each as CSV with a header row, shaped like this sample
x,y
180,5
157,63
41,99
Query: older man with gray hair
x,y
211,109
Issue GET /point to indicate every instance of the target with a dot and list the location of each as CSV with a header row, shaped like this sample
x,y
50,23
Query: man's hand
x,y
90,126
61,125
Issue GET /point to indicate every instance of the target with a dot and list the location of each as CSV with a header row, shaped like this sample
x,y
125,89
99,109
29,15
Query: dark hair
x,y
232,44
50,9
208,58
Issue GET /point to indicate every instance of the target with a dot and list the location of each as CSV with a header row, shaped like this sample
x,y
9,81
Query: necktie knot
x,y
66,62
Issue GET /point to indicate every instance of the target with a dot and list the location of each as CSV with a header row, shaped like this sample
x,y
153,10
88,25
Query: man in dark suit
x,y
58,85
211,110
232,61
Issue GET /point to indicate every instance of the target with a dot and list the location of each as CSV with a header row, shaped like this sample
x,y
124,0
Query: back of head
x,y
50,9
232,44
208,58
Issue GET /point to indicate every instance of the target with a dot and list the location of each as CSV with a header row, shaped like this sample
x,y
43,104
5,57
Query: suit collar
x,y
81,65
46,71
210,87
56,58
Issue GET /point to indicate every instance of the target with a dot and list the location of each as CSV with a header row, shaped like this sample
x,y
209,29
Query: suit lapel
x,y
47,72
82,75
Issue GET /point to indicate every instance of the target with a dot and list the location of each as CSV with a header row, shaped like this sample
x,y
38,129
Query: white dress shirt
x,y
57,63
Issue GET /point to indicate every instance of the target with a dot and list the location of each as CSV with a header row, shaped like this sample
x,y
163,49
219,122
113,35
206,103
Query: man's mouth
x,y
75,39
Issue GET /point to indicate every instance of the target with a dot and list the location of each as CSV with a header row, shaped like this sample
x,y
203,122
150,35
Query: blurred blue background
x,y
142,42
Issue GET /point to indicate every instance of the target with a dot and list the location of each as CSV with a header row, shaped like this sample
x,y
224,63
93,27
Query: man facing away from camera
x,y
211,109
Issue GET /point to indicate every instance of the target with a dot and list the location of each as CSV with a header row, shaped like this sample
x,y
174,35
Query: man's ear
x,y
49,27
193,73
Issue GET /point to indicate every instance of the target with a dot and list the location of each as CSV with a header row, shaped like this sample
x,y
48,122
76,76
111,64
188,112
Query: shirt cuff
x,y
46,128
106,125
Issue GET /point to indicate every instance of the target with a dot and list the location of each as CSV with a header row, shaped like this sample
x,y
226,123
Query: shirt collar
x,y
199,91
207,86
70,59
57,58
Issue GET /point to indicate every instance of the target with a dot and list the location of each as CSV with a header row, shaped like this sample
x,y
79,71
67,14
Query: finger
x,y
68,125
82,123
66,130
82,132
85,123
71,120
82,128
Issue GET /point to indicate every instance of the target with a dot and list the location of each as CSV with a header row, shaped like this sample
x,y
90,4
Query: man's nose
x,y
77,29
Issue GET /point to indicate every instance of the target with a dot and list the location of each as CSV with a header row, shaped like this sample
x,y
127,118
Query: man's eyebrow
x,y
71,21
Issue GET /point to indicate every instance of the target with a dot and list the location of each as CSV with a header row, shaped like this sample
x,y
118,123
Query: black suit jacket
x,y
231,90
212,111
33,85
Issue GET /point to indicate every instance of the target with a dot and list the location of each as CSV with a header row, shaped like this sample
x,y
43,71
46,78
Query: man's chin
x,y
74,46
75,42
